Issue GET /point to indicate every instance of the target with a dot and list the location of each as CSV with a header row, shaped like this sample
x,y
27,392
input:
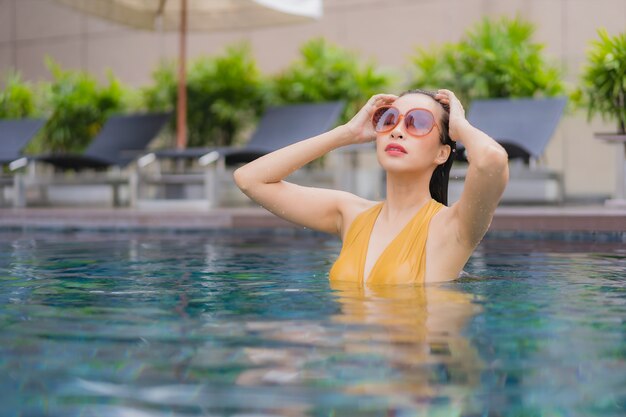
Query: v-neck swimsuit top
x,y
402,262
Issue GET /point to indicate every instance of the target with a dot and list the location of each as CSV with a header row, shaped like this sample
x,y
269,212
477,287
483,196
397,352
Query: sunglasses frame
x,y
402,116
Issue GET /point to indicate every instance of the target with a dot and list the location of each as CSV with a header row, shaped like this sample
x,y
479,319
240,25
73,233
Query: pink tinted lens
x,y
385,118
419,122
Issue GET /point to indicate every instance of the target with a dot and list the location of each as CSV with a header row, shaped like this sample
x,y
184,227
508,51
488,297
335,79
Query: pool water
x,y
247,324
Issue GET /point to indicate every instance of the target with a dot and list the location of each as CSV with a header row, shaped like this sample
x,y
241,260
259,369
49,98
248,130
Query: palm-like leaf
x,y
603,89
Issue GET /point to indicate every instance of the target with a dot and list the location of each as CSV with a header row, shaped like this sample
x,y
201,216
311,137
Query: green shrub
x,y
327,72
603,89
17,99
225,95
161,95
493,59
77,107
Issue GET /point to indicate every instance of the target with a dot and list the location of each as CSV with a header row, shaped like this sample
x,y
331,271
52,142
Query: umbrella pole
x,y
181,127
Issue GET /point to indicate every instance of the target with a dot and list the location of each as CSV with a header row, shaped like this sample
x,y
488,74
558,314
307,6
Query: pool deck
x,y
507,218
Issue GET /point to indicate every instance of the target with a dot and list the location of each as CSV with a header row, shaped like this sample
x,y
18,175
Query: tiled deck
x,y
553,219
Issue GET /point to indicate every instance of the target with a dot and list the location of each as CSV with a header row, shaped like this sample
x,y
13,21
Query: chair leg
x,y
210,186
116,195
133,188
19,191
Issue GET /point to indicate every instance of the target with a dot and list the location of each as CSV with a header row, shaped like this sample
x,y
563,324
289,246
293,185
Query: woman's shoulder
x,y
351,206
354,205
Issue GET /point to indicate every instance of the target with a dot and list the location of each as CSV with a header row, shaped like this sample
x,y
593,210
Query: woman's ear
x,y
443,155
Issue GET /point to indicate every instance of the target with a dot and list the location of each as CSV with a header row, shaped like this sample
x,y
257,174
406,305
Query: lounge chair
x,y
279,127
121,140
14,136
523,127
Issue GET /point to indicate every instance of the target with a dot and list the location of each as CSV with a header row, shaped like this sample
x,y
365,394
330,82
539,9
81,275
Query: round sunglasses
x,y
418,122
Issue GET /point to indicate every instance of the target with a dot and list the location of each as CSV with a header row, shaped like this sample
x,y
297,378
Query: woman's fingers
x,y
383,98
448,97
447,92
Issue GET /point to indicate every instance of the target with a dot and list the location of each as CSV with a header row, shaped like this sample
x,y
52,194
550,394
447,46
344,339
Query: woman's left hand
x,y
457,113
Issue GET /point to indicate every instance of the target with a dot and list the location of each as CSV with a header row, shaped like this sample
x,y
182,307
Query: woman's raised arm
x,y
263,179
486,178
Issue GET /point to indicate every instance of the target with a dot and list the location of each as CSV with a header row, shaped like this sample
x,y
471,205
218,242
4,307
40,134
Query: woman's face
x,y
399,151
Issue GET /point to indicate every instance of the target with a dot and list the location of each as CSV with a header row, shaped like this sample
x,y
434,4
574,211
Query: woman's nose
x,y
396,133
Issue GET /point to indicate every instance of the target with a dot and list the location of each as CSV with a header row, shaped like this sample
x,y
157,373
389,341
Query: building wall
x,y
386,31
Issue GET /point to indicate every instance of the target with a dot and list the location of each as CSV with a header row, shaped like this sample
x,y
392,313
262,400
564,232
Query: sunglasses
x,y
417,122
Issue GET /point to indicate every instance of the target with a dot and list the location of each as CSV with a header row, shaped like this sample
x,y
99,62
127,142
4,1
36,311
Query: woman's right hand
x,y
360,126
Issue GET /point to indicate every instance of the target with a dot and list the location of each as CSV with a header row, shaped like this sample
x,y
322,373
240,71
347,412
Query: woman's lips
x,y
395,149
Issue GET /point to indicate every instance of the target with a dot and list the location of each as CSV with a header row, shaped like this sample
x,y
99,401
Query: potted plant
x,y
603,89
603,92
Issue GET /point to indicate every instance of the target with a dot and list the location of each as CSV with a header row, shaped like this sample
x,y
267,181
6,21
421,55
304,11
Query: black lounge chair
x,y
523,126
15,135
121,140
279,126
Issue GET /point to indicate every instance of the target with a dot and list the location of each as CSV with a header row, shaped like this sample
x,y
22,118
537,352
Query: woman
x,y
409,238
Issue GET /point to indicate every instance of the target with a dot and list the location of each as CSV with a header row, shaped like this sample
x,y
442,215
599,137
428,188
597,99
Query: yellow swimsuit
x,y
402,262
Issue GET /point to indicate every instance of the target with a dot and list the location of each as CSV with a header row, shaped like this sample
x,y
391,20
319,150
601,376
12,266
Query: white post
x,y
619,199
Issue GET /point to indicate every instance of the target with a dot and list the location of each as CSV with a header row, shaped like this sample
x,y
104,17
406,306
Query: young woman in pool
x,y
411,237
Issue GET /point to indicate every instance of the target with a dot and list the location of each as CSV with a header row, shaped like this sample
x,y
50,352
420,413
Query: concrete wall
x,y
386,31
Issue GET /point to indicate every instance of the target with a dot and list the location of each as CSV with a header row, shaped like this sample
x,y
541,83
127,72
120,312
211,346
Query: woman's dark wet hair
x,y
441,175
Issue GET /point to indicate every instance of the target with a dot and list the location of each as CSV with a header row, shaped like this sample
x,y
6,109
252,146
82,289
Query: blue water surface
x,y
246,323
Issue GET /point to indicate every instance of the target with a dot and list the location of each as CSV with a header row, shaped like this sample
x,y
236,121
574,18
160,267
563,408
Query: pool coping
x,y
506,218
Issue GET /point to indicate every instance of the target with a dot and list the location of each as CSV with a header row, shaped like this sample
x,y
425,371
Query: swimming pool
x,y
247,324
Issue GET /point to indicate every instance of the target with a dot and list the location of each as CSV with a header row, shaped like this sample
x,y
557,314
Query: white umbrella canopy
x,y
203,15
197,15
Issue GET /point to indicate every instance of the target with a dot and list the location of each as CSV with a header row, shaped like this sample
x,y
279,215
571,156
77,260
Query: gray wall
x,y
386,31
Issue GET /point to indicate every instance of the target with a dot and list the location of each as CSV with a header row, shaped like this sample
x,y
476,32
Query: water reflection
x,y
418,331
401,347
240,324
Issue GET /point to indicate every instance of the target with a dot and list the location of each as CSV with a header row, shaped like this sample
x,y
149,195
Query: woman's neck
x,y
406,193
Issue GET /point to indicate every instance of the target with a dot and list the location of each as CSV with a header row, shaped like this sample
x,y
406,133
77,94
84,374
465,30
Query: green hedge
x,y
17,99
225,95
76,106
228,92
495,58
326,72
